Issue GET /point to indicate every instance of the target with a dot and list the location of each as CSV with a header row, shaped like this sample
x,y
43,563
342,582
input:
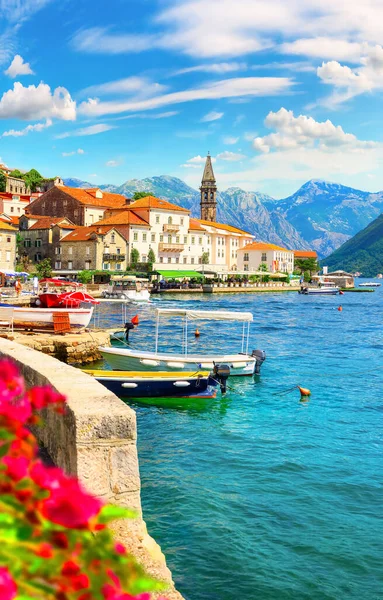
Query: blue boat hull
x,y
157,388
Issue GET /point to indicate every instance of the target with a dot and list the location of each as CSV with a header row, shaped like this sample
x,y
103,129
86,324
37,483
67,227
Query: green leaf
x,y
111,513
24,532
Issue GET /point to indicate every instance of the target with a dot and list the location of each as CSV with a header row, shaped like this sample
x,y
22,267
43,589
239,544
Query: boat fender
x,y
175,365
206,365
260,357
149,363
181,384
238,365
130,386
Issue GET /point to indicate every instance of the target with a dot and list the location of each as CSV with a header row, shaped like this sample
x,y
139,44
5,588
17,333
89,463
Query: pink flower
x,y
70,506
11,382
120,549
41,397
8,589
49,478
17,467
16,409
114,592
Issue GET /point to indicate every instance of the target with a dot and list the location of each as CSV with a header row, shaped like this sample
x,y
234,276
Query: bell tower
x,y
208,193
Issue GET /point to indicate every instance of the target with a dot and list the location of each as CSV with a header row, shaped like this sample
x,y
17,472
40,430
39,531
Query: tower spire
x,y
208,192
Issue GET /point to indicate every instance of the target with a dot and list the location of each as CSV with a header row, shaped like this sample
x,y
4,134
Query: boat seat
x,y
6,316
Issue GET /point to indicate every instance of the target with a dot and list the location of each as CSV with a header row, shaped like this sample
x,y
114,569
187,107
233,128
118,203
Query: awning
x,y
179,274
9,273
206,315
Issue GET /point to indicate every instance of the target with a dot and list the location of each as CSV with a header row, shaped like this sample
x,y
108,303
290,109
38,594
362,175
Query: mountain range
x,y
320,215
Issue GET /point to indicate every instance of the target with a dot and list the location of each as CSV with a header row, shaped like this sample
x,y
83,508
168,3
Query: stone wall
x,y
95,440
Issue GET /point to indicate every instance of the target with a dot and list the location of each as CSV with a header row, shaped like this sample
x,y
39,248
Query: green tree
x,y
44,268
33,179
3,182
134,257
138,195
306,264
205,258
85,276
16,173
151,259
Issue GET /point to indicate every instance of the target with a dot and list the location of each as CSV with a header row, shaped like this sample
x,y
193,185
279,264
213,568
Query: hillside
x,y
363,252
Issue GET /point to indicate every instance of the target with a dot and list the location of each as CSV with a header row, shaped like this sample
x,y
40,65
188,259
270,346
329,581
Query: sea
x,y
259,495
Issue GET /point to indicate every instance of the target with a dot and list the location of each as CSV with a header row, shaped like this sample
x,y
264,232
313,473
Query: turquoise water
x,y
261,496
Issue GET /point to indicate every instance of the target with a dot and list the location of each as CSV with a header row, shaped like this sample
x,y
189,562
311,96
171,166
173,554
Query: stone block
x,y
124,469
93,469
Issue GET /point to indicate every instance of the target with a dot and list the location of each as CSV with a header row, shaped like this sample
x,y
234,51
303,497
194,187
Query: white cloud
x,y
163,115
227,88
18,67
142,87
93,175
97,40
230,140
196,162
304,132
230,156
324,48
219,68
113,163
79,151
33,103
27,129
91,130
212,116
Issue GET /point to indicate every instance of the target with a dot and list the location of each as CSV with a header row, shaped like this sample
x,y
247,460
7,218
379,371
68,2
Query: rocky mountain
x,y
327,214
320,215
363,252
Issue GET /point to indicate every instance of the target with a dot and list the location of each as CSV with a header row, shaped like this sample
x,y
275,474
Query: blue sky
x,y
278,91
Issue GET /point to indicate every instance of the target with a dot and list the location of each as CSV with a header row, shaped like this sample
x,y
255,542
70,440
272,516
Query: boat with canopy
x,y
242,363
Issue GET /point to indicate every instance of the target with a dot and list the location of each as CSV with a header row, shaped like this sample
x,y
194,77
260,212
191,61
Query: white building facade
x,y
259,255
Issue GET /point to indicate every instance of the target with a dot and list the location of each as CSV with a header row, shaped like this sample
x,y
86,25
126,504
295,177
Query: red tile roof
x,y
305,254
263,246
88,196
195,225
9,196
152,202
126,217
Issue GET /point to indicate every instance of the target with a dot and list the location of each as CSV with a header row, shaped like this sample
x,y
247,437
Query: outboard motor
x,y
128,327
221,373
260,357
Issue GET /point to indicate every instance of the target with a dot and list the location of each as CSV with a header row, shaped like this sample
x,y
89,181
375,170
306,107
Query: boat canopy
x,y
206,315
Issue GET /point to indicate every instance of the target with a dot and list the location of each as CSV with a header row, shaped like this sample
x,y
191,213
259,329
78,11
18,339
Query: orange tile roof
x,y
305,254
87,196
47,222
152,202
263,246
15,220
195,225
126,217
6,226
223,226
82,234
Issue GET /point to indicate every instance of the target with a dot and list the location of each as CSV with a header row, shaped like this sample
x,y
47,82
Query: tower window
x,y
205,195
212,196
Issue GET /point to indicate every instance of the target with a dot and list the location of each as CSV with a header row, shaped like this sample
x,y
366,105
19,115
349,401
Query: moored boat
x,y
370,284
325,287
27,317
240,364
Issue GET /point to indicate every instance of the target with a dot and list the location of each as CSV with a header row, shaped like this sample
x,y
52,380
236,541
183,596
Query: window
x,y
200,241
70,265
185,260
105,266
118,267
246,256
143,258
177,239
65,204
87,250
169,259
161,259
169,239
193,239
245,267
219,241
37,257
27,243
205,195
113,238
8,256
185,239
144,237
87,265
157,218
161,238
118,250
58,264
219,253
70,250
153,237
192,261
75,212
9,239
38,243
212,196
182,220
58,250
91,218
264,257
170,220
135,237
177,259
200,261
12,209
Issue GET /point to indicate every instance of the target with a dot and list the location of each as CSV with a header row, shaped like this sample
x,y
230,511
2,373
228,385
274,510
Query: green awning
x,y
179,274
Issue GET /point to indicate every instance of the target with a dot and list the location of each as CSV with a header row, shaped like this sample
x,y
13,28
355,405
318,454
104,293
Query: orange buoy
x,y
340,308
304,391
341,293
135,320
196,333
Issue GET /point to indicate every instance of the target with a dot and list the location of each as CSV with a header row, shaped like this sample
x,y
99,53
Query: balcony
x,y
173,228
167,247
113,257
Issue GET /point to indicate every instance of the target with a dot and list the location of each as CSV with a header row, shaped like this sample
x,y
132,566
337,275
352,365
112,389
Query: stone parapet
x,y
95,440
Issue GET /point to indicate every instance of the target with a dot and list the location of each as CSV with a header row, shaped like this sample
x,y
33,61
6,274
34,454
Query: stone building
x,y
82,206
40,236
275,258
14,185
208,193
7,246
91,248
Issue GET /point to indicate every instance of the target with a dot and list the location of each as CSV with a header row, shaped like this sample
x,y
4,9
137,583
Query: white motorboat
x,y
242,363
370,284
43,317
325,287
128,288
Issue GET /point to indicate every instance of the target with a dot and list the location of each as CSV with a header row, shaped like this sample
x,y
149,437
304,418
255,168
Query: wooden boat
x,y
242,363
27,317
146,384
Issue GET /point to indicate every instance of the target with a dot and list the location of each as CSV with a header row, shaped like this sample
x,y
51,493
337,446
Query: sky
x,y
278,91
